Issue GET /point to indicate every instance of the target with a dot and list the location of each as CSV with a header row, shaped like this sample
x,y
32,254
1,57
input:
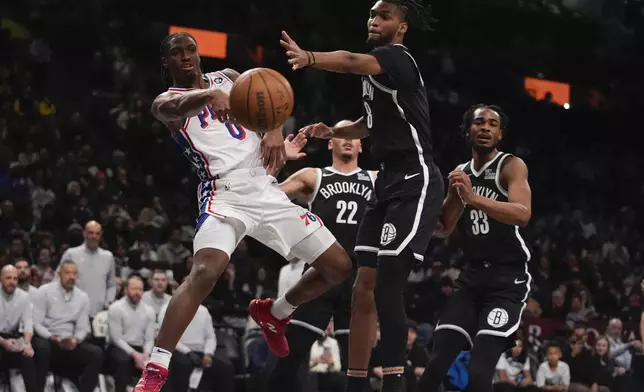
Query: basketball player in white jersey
x,y
236,198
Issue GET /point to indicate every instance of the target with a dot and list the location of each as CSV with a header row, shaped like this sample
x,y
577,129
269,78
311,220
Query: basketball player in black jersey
x,y
394,234
488,199
338,195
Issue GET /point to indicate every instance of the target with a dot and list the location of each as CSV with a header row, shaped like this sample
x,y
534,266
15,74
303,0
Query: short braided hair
x,y
468,118
417,14
165,47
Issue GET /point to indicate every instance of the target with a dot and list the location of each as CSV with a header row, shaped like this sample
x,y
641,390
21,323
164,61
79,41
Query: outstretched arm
x,y
356,130
517,210
339,61
175,107
302,183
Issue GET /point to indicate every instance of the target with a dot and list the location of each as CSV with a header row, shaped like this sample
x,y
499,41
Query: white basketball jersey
x,y
215,148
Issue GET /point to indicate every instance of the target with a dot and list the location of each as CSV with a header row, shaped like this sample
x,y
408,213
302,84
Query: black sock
x,y
357,380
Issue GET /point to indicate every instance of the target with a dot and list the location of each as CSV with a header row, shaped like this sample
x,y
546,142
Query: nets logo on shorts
x,y
388,234
497,317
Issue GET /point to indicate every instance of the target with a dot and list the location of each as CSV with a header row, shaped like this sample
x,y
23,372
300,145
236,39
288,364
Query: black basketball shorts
x,y
488,299
407,207
335,303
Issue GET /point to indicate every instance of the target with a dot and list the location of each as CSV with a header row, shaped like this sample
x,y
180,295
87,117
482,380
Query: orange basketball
x,y
261,100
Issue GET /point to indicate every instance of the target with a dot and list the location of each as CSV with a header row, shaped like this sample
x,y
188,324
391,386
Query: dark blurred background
x,y
77,141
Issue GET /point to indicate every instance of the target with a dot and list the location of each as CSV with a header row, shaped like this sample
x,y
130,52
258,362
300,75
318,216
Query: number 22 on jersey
x,y
346,212
480,224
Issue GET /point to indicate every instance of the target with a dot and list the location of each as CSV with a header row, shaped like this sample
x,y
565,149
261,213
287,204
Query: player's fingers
x,y
290,137
301,155
285,44
286,37
292,61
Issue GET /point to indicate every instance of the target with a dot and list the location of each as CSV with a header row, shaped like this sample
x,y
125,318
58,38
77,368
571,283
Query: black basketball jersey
x,y
396,110
483,238
340,200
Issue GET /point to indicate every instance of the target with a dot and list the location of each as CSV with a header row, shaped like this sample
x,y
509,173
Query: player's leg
x,y
412,214
330,268
291,230
342,317
506,291
214,242
485,355
364,317
451,336
308,324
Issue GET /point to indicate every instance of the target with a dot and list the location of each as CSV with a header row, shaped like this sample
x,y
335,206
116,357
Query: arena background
x,y
78,141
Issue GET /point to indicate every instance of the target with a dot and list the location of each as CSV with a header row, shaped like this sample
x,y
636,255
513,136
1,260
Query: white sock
x,y
161,357
281,308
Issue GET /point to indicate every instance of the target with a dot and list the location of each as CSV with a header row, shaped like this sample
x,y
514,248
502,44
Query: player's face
x,y
385,24
345,148
485,132
182,59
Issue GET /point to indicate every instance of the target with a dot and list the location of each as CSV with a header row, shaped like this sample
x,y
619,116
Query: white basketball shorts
x,y
249,202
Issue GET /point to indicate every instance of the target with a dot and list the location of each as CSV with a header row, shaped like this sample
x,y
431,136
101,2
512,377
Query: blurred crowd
x,y
78,144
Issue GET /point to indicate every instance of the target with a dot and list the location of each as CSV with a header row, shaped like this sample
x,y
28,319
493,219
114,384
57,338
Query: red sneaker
x,y
152,379
274,329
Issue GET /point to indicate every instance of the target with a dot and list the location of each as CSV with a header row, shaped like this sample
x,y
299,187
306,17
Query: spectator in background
x,y
17,249
42,272
173,251
15,311
578,313
196,348
513,370
61,319
96,268
417,357
621,353
24,277
131,328
156,297
553,374
605,365
578,356
289,275
325,362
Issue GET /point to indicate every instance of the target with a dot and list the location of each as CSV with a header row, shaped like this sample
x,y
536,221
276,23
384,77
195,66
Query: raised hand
x,y
318,130
297,57
293,146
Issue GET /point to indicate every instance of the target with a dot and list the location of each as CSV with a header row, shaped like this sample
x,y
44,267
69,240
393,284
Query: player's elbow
x,y
524,218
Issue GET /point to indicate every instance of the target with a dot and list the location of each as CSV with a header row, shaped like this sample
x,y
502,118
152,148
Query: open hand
x,y
318,130
297,57
293,146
